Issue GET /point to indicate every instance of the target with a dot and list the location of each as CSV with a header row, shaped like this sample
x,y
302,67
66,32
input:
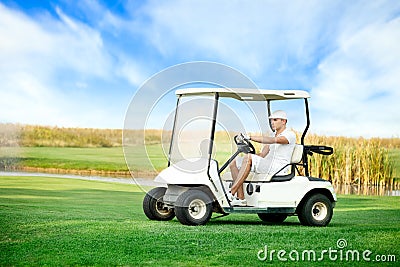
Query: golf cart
x,y
196,185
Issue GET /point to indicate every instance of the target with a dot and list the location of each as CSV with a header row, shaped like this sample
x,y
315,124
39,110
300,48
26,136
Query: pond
x,y
346,189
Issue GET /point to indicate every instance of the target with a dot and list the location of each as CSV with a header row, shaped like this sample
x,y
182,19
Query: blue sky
x,y
79,63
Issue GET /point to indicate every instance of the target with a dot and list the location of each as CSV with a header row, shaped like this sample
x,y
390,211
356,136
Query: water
x,y
367,190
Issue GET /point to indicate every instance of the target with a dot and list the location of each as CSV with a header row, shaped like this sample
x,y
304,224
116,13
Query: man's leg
x,y
234,169
234,174
241,176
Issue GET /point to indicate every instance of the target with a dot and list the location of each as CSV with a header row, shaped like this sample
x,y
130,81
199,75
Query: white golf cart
x,y
197,186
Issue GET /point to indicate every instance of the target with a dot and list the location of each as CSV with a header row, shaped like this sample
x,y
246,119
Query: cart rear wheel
x,y
154,207
317,210
193,207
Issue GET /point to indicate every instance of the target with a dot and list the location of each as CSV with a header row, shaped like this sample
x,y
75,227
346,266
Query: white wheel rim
x,y
161,209
197,209
319,211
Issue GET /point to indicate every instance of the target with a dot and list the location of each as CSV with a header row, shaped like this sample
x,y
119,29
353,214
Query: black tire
x,y
272,217
154,207
316,210
193,207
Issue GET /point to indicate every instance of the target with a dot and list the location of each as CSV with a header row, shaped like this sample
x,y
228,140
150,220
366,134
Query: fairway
x,y
110,159
73,158
58,222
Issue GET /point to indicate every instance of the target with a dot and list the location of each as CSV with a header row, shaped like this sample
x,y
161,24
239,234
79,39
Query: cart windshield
x,y
191,140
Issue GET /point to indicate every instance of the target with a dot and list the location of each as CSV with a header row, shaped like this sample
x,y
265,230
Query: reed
x,y
356,161
46,136
9,143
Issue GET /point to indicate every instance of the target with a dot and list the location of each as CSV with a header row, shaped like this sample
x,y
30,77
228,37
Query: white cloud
x,y
358,85
256,36
52,70
130,71
276,43
45,43
345,52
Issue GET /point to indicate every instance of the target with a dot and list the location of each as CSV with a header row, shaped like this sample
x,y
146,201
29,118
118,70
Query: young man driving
x,y
276,153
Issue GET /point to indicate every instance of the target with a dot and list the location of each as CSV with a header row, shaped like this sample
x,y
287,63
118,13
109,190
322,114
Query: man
x,y
275,154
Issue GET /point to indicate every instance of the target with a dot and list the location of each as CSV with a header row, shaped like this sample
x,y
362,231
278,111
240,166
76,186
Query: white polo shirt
x,y
278,156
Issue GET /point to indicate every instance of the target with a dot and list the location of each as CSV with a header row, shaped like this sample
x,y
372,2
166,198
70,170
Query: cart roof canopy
x,y
246,94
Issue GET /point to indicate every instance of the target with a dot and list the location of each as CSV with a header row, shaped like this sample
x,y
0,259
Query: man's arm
x,y
264,151
269,140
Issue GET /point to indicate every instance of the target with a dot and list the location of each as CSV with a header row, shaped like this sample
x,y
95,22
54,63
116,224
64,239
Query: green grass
x,y
67,158
108,159
58,222
100,159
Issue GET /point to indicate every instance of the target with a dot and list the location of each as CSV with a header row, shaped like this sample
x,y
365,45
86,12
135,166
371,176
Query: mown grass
x,y
107,159
59,222
84,158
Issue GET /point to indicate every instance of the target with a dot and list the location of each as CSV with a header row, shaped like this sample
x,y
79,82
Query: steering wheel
x,y
244,145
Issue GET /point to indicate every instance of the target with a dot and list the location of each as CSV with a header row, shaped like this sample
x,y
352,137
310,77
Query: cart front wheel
x,y
193,207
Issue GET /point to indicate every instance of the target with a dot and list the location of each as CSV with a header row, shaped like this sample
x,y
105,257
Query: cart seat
x,y
297,156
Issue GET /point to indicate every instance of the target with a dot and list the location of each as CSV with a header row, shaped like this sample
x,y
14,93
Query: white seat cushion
x,y
297,154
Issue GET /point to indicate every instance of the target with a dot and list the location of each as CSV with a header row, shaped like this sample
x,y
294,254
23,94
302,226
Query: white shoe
x,y
230,196
239,202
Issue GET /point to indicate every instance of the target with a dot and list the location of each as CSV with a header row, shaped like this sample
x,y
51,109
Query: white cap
x,y
278,114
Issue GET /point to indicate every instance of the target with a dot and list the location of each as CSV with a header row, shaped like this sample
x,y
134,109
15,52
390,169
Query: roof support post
x,y
305,156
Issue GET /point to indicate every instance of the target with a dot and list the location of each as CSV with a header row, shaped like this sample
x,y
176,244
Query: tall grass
x,y
356,161
9,143
46,136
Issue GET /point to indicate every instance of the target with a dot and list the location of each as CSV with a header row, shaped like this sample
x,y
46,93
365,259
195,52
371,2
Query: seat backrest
x,y
297,154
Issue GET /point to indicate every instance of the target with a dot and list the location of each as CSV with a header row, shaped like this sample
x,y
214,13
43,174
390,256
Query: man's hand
x,y
245,136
